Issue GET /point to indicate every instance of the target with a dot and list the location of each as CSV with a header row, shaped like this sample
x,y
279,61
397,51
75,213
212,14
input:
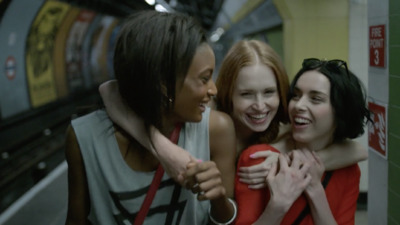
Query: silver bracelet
x,y
231,220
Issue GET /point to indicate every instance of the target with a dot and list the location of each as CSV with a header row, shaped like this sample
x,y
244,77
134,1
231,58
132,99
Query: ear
x,y
164,90
168,100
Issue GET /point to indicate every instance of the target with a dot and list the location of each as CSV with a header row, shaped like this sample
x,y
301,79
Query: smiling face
x,y
255,99
197,89
311,112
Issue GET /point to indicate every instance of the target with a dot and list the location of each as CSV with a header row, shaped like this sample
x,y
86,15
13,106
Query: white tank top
x,y
117,192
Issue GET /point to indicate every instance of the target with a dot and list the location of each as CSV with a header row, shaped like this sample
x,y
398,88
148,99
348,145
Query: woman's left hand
x,y
204,179
255,175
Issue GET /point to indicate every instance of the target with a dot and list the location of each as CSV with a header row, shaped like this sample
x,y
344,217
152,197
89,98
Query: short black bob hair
x,y
153,51
348,96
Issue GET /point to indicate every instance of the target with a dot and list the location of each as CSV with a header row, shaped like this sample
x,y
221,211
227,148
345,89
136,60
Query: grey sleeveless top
x,y
117,192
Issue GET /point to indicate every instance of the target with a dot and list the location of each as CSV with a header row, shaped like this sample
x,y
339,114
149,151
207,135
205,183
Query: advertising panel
x,y
98,51
60,41
74,54
39,52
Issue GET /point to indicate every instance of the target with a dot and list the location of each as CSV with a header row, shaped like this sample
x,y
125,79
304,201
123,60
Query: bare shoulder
x,y
72,151
220,122
222,133
284,143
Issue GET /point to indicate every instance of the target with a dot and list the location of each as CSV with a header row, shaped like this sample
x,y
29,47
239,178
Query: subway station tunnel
x,y
55,54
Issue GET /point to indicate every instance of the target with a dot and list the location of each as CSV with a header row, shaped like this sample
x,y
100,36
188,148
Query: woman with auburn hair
x,y
234,88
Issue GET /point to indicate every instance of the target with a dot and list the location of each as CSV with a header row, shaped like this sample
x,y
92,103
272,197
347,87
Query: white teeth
x,y
301,120
259,116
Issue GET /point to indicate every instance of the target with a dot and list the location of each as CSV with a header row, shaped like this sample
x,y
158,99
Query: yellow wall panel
x,y
39,52
313,28
59,53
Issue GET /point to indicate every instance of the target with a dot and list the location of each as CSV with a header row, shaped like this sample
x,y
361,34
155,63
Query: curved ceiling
x,y
205,11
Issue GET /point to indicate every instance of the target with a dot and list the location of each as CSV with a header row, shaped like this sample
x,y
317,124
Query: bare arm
x,y
78,193
173,158
216,178
223,153
335,156
342,154
223,147
314,191
320,210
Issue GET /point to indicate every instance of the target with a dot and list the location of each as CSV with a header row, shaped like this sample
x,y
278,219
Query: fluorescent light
x,y
216,35
161,8
151,2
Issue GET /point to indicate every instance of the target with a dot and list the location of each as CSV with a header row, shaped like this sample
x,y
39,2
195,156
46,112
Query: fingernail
x,y
199,160
252,155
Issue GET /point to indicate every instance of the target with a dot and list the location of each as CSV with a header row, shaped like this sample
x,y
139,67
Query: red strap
x,y
144,209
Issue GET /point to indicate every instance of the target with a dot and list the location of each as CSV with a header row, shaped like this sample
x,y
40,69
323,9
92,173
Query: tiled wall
x,y
358,64
394,113
378,92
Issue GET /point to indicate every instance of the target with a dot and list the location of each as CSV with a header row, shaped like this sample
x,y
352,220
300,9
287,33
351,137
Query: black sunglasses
x,y
313,63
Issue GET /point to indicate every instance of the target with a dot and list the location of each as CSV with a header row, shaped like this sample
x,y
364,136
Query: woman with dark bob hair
x,y
327,103
164,67
347,96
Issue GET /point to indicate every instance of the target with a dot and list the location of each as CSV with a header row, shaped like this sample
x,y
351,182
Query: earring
x,y
170,100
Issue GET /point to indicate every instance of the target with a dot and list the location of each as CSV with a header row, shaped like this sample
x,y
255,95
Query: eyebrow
x,y
272,86
312,91
206,70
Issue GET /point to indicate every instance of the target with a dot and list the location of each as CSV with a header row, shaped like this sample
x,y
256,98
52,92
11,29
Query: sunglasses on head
x,y
313,63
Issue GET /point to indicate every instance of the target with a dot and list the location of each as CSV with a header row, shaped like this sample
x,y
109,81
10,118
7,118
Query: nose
x,y
300,104
212,89
259,102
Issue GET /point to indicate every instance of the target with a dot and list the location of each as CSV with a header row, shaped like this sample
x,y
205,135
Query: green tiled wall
x,y
394,184
394,84
394,34
394,113
393,195
394,54
394,118
394,144
394,7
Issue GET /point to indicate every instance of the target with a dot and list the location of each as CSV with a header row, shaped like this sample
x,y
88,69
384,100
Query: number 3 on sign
x,y
376,60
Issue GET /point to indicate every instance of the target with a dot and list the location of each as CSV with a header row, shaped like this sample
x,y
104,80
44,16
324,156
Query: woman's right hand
x,y
316,169
289,182
285,187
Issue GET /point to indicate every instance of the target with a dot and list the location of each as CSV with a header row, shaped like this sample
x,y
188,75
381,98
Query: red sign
x,y
377,46
10,67
377,138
